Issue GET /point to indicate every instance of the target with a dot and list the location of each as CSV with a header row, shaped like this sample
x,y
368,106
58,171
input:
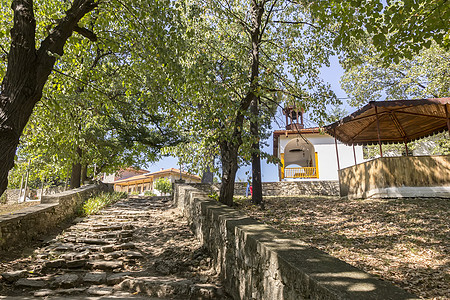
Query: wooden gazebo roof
x,y
397,121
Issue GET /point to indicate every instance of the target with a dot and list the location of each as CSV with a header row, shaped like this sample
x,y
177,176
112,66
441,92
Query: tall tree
x,y
367,78
239,52
28,70
107,92
426,75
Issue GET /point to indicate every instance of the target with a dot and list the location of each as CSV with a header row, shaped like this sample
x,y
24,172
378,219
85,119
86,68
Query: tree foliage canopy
x,y
397,28
218,69
105,92
163,185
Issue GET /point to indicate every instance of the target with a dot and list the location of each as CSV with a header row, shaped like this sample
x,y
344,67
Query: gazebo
x,y
399,121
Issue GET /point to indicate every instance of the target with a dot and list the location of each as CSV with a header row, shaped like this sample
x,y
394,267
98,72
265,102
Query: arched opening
x,y
300,159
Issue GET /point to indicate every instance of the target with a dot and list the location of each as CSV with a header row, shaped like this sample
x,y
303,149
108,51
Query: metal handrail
x,y
305,172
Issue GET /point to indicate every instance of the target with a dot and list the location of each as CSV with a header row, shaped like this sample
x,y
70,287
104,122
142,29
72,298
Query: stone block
x,y
31,282
95,278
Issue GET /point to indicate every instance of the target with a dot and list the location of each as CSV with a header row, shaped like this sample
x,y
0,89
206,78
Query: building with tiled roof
x,y
123,174
144,182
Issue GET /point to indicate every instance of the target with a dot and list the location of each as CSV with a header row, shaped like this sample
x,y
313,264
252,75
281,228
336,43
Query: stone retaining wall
x,y
255,261
27,224
12,195
284,188
293,188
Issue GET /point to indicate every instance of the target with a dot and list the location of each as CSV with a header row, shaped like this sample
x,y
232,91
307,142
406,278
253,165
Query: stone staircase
x,y
139,246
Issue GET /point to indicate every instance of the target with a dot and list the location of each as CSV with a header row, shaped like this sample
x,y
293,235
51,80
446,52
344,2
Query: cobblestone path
x,y
137,248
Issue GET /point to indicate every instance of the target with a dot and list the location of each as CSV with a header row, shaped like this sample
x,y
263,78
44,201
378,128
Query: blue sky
x,y
269,172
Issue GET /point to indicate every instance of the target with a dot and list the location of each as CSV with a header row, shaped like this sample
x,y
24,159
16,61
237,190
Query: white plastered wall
x,y
326,154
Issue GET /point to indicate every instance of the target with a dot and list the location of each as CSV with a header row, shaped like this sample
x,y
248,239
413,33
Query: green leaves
x,y
105,97
425,75
398,29
163,185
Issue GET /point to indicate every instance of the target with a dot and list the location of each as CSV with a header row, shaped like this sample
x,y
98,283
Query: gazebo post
x,y
378,131
354,153
338,165
406,148
337,152
447,114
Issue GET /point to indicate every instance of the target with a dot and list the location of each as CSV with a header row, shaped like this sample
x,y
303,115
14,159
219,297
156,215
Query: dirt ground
x,y
405,241
9,208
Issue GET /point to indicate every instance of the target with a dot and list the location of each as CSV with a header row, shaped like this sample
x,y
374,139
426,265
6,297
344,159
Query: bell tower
x,y
294,118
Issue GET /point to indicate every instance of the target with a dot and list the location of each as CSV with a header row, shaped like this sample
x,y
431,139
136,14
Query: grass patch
x,y
149,194
95,204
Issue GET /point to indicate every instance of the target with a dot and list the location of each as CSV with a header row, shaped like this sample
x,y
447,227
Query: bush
x,y
3,198
149,193
163,185
96,203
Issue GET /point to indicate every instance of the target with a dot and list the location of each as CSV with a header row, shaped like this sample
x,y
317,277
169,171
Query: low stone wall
x,y
284,188
27,224
393,177
12,195
293,188
255,261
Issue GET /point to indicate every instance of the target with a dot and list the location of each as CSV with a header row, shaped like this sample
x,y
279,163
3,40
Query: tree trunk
x,y
257,11
26,185
83,173
208,176
20,191
229,157
42,190
256,160
27,72
75,179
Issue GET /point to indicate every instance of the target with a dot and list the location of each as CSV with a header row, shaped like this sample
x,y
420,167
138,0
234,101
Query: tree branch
x,y
86,33
269,13
55,41
296,23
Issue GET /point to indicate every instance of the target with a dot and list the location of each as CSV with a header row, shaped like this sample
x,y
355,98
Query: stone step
x,y
102,257
171,287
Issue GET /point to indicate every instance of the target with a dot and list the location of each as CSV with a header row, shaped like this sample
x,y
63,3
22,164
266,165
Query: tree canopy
x,y
104,94
397,29
112,82
244,51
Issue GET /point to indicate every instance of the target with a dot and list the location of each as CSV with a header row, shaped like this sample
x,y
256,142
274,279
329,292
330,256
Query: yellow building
x,y
144,182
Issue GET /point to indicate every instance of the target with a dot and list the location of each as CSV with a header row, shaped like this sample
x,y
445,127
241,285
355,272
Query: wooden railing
x,y
306,172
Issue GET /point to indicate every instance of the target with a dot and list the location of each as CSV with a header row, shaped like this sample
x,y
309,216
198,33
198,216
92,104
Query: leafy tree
x,y
397,29
336,113
31,59
163,185
105,91
240,54
424,76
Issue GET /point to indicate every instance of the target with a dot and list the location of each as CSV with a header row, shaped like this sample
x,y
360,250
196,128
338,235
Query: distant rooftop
x,y
150,175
